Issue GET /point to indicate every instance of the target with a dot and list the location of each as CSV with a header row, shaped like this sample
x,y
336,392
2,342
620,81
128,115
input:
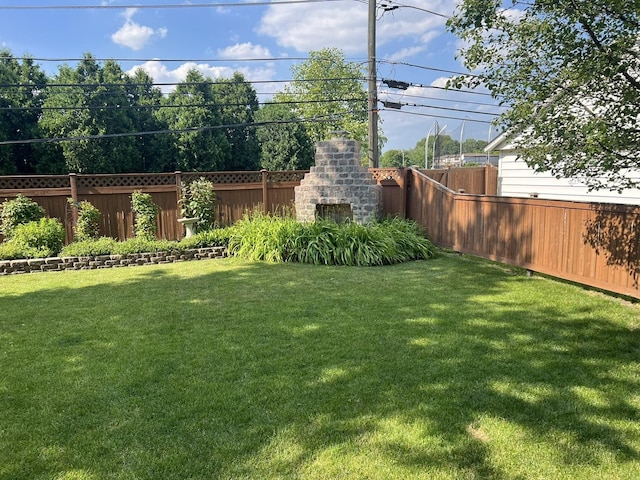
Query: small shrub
x,y
146,215
18,211
199,201
45,235
88,225
11,250
141,245
91,247
218,237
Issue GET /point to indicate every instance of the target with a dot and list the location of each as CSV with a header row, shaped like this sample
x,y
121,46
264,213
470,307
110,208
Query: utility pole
x,y
373,89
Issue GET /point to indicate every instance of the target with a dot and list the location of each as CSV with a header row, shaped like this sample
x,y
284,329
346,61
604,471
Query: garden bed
x,y
34,265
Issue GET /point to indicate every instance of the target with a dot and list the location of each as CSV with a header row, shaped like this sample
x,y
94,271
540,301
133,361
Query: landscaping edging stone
x,y
35,265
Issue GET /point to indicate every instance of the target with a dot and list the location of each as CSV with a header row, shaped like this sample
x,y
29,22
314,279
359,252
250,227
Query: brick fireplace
x,y
338,187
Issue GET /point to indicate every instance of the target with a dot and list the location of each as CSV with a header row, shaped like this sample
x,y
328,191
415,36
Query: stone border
x,y
57,264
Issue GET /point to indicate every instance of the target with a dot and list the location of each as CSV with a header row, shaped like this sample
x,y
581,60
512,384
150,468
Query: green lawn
x,y
452,368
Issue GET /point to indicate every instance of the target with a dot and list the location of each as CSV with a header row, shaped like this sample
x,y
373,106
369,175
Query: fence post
x,y
265,192
178,175
403,186
73,183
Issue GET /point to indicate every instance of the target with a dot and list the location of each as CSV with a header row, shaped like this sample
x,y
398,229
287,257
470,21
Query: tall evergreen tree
x,y
201,144
93,101
155,152
21,99
284,142
238,103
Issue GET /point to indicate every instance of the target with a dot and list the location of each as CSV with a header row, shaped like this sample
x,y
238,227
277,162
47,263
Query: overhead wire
x,y
162,6
437,116
317,119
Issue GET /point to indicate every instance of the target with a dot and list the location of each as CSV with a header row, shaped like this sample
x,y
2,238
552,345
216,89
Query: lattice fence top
x,y
288,176
224,177
34,182
97,181
386,174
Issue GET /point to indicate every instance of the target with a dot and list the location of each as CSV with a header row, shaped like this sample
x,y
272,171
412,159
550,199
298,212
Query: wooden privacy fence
x,y
592,244
476,180
236,193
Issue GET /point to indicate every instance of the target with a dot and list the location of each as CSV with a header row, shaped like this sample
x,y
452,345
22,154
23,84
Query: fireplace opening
x,y
337,212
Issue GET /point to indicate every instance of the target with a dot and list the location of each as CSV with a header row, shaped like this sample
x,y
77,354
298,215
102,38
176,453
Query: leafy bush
x,y
18,211
264,237
218,237
11,250
91,247
146,215
46,236
88,225
199,201
140,245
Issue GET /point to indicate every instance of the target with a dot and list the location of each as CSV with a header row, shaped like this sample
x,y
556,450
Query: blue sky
x,y
411,43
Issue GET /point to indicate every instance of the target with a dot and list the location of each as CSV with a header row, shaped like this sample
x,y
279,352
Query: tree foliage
x,y
24,93
569,71
238,105
201,144
329,90
92,101
284,142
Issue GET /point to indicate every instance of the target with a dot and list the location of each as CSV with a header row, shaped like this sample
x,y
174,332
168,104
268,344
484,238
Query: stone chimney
x,y
338,187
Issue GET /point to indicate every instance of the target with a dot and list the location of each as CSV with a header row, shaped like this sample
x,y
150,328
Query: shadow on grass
x,y
267,371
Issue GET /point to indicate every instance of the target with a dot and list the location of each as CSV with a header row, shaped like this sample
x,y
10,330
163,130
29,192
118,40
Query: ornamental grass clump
x,y
265,237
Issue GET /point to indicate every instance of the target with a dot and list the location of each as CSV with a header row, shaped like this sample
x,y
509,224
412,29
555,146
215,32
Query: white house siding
x,y
516,179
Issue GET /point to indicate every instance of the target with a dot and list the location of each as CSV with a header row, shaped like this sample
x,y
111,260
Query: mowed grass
x,y
453,368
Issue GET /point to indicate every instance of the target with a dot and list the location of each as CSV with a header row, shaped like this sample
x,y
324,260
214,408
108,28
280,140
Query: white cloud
x,y
133,35
161,74
405,53
316,26
244,50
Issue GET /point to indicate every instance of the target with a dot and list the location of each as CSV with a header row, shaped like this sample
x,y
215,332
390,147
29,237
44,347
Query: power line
x,y
169,84
160,6
388,7
451,109
160,106
423,67
470,102
165,60
436,116
317,119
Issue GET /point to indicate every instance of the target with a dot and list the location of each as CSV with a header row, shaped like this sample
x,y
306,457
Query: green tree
x,y
393,158
201,145
569,71
21,99
472,145
284,142
96,102
330,94
238,103
155,153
